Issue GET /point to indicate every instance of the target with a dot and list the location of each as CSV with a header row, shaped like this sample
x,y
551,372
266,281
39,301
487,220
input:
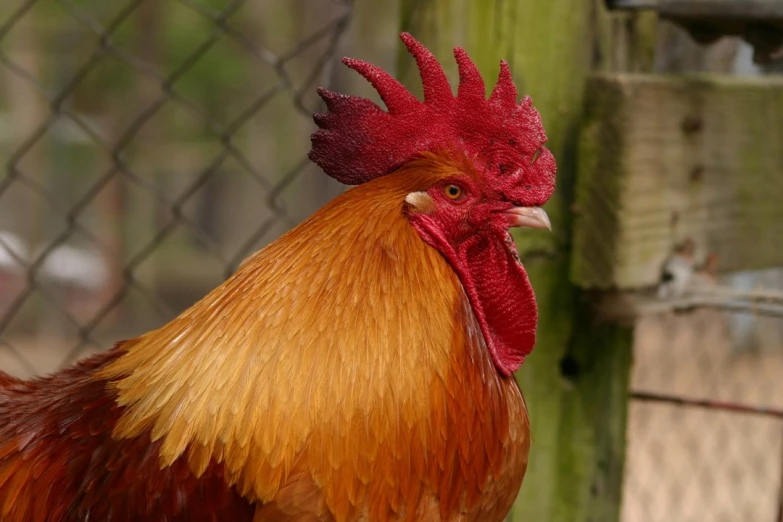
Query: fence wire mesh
x,y
150,145
705,431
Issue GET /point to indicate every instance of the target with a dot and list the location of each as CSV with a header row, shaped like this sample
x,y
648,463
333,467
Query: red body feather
x,y
59,462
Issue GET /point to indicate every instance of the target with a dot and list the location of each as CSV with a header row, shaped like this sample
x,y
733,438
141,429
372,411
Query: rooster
x,y
359,368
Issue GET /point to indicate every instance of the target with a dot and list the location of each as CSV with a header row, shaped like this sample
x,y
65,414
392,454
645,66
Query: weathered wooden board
x,y
662,159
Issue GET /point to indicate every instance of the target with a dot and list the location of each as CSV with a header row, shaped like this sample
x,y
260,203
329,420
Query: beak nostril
x,y
536,154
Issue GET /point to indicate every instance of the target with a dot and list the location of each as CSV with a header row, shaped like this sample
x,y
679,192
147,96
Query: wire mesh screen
x,y
149,147
714,452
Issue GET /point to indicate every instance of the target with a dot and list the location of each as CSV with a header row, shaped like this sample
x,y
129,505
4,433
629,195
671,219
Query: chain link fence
x,y
149,146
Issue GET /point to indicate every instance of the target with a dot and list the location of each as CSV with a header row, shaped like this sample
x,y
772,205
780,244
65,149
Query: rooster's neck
x,y
350,317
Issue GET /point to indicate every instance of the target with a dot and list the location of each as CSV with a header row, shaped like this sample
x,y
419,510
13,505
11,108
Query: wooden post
x,y
576,380
27,111
23,212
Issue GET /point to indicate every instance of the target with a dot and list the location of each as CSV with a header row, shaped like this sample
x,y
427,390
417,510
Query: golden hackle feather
x,y
341,364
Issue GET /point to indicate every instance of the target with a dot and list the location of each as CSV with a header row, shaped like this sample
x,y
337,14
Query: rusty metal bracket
x,y
758,22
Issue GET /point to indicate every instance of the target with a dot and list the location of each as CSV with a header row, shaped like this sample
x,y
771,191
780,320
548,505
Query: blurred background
x,y
149,146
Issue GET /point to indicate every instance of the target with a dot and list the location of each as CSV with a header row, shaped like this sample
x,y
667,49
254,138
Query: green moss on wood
x,y
599,186
576,455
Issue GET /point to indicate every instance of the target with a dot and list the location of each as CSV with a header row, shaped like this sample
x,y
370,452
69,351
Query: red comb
x,y
358,141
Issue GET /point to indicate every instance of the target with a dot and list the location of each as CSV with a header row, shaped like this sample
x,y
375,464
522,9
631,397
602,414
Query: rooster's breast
x,y
458,454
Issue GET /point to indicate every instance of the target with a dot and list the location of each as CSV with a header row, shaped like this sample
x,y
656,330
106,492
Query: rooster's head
x,y
487,170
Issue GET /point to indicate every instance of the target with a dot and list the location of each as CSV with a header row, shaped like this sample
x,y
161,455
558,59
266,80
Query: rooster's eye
x,y
453,192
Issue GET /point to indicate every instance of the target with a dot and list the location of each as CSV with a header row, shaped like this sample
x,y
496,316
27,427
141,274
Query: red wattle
x,y
502,299
499,291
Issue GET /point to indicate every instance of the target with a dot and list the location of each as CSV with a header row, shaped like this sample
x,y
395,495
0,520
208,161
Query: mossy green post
x,y
576,380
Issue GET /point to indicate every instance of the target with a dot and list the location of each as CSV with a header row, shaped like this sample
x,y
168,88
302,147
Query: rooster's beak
x,y
532,217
